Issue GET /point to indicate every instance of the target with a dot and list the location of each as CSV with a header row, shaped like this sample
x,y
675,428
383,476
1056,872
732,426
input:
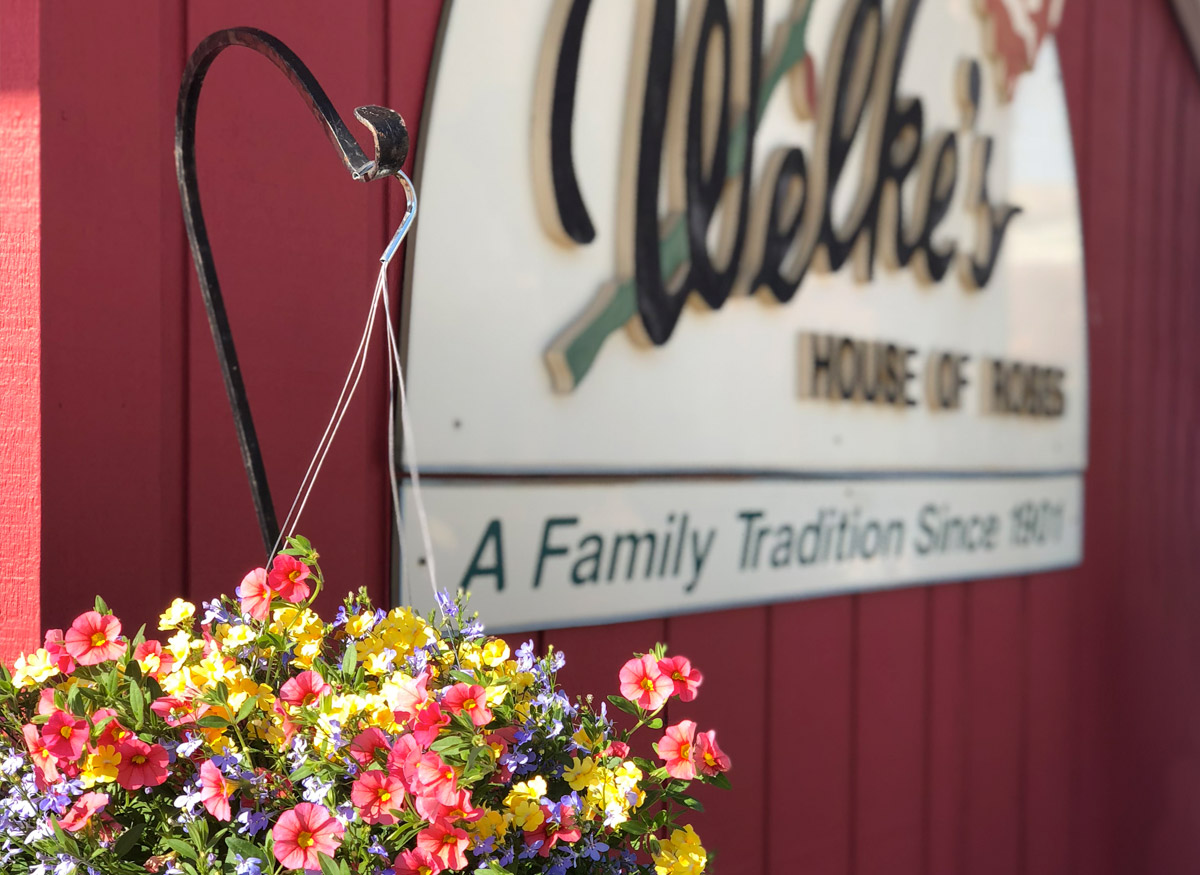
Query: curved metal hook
x,y
391,148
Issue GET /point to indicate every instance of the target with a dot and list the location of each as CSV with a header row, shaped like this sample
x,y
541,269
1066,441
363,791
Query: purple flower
x,y
248,865
252,822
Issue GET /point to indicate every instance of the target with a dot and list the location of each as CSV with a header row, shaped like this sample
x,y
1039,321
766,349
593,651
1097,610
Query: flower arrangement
x,y
258,738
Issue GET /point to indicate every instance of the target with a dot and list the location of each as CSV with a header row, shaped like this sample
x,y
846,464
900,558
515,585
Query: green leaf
x,y
236,846
720,780
133,671
128,840
625,705
301,773
328,866
349,659
180,847
656,723
212,721
247,708
137,704
101,607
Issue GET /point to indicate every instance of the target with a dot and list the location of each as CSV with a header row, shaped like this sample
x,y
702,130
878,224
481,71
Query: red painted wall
x,y
1046,724
20,343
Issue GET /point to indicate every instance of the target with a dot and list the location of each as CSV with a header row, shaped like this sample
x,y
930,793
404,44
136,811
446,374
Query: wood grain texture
x,y
946,727
20,329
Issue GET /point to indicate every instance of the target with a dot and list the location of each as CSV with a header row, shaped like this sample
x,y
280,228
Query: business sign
x,y
716,303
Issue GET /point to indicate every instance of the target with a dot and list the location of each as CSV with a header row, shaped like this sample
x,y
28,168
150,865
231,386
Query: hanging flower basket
x,y
255,737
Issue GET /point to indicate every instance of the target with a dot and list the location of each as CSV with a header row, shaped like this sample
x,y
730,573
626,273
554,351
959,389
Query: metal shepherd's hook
x,y
391,148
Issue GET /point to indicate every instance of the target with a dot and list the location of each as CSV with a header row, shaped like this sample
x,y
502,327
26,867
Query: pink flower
x,y
56,646
644,683
45,765
94,638
287,578
471,698
255,594
678,749
403,758
407,701
686,679
153,660
446,843
417,862
364,745
215,791
65,735
142,765
376,795
174,710
428,723
616,749
79,814
303,833
461,809
550,833
305,688
437,779
710,759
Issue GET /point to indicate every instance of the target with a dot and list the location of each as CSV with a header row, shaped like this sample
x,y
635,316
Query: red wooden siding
x,y
1039,725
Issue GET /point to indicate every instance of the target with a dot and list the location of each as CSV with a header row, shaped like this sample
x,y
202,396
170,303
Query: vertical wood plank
x,y
1049,728
112,369
889,778
730,648
1108,28
994,711
296,243
946,744
809,791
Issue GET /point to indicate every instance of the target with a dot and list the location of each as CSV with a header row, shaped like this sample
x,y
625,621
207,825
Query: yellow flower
x,y
495,652
584,740
181,645
682,854
492,823
581,774
101,766
237,636
524,802
34,669
359,625
175,616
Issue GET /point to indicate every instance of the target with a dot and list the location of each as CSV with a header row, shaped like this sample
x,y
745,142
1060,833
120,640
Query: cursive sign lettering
x,y
726,233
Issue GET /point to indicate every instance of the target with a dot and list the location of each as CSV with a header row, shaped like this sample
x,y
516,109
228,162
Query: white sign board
x,y
815,258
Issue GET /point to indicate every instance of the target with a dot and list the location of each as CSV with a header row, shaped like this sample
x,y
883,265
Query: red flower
x,y
215,791
45,765
142,765
686,679
364,745
256,594
471,698
677,747
55,645
287,578
417,862
710,759
445,843
303,833
376,794
79,814
305,688
94,638
428,723
153,660
65,735
643,682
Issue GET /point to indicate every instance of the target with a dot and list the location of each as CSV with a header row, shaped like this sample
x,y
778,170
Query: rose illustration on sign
x,y
1014,30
